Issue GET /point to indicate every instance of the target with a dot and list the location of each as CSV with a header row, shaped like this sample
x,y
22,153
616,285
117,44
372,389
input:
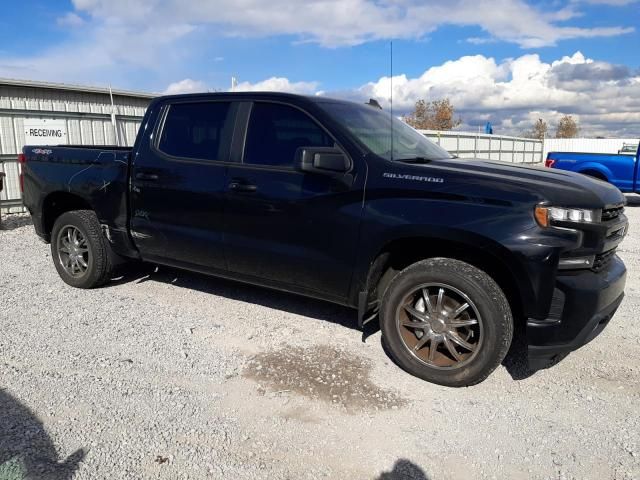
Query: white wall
x,y
491,147
87,117
589,145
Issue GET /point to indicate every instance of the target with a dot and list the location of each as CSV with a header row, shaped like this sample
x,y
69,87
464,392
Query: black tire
x,y
98,258
493,328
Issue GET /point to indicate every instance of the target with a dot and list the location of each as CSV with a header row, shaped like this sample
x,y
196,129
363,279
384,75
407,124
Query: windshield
x,y
372,127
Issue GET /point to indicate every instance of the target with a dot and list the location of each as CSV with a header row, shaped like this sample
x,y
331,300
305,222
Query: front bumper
x,y
583,304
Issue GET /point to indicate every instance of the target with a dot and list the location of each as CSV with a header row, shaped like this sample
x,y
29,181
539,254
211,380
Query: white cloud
x,y
614,3
186,86
605,98
349,22
278,84
273,84
481,40
70,19
104,52
512,94
115,41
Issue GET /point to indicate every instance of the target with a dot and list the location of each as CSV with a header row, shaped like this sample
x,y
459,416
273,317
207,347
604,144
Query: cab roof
x,y
282,96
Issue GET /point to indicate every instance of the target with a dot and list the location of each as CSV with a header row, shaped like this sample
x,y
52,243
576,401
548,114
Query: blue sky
x,y
493,58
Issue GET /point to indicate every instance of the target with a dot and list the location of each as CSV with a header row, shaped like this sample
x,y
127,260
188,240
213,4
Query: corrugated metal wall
x,y
87,116
589,145
491,147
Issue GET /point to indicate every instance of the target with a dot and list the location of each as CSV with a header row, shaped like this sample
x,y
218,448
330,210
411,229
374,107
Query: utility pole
x,y
113,118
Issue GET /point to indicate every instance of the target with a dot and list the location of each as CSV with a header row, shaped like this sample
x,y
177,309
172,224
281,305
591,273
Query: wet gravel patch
x,y
322,373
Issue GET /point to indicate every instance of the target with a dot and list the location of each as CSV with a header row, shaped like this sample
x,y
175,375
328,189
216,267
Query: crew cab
x,y
342,202
621,170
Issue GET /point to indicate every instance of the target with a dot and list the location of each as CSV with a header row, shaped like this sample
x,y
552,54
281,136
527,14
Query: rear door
x,y
179,183
283,225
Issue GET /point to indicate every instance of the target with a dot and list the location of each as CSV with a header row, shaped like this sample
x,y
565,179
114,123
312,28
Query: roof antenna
x,y
391,99
373,103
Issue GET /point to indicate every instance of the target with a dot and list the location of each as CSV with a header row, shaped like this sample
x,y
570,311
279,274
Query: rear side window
x,y
277,131
198,131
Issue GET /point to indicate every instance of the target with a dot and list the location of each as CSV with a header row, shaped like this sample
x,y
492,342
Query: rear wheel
x,y
446,322
81,253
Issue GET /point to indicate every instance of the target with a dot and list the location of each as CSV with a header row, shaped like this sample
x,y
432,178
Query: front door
x,y
283,225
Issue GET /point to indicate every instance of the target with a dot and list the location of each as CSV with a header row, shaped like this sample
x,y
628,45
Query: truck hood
x,y
559,187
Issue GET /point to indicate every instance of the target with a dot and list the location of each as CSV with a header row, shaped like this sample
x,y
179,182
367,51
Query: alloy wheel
x,y
440,326
73,251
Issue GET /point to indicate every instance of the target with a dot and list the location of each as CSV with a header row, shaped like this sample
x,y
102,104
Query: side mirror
x,y
322,160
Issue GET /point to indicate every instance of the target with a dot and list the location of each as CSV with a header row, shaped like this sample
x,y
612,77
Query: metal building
x,y
75,115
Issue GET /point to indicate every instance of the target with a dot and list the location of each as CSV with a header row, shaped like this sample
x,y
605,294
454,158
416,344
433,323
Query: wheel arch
x,y
57,203
595,174
481,252
596,170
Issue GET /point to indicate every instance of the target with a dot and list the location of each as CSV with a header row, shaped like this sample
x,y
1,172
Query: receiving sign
x,y
40,131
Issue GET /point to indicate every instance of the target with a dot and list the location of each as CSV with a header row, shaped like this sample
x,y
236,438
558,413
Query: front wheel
x,y
446,322
81,254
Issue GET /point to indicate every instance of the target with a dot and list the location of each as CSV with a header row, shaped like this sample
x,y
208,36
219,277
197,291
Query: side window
x,y
197,130
275,133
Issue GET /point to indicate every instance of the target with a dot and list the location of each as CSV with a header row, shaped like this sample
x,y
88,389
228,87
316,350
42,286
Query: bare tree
x,y
540,130
567,127
435,115
419,118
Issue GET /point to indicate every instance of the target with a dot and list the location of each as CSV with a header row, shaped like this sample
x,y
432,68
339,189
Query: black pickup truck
x,y
339,201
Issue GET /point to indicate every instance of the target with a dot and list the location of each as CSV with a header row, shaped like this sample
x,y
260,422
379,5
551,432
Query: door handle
x,y
149,177
242,187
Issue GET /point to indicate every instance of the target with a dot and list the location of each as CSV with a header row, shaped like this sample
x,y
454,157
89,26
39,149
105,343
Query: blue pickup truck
x,y
622,170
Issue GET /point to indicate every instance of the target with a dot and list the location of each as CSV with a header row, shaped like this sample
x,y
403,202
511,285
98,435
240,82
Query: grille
x,y
612,213
603,260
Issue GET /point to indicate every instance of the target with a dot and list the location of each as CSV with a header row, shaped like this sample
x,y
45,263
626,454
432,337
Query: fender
x,y
518,262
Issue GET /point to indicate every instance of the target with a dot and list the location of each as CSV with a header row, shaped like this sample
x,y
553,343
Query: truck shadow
x,y
13,221
26,450
288,302
633,200
515,362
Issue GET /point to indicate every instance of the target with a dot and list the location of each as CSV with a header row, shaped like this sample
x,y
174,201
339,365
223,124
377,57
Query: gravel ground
x,y
167,374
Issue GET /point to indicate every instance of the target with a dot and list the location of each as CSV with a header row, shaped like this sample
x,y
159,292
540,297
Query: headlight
x,y
549,215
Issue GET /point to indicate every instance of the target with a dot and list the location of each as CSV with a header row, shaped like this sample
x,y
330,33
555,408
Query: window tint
x,y
196,130
373,128
277,131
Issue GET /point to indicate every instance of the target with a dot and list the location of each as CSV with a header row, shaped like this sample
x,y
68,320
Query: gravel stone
x,y
166,374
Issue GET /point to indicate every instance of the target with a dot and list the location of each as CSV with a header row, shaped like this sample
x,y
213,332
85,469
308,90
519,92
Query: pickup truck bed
x,y
620,170
98,175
